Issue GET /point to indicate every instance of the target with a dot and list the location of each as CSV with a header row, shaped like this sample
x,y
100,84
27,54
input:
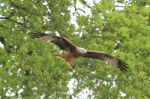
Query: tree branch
x,y
11,20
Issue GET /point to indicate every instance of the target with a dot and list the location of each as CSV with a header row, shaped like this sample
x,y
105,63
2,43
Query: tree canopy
x,y
30,69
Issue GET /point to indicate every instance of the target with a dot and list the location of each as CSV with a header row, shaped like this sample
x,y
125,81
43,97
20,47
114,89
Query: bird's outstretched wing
x,y
63,43
108,59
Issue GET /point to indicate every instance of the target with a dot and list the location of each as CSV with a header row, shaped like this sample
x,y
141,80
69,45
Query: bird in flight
x,y
72,51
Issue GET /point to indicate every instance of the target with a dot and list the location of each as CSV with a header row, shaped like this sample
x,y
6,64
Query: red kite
x,y
72,52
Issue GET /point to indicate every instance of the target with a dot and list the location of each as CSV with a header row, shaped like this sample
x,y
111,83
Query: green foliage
x,y
30,69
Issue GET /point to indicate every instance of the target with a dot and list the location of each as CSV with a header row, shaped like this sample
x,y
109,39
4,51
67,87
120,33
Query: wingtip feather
x,y
37,35
122,65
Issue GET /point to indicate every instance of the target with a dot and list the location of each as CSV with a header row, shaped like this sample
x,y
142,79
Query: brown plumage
x,y
73,52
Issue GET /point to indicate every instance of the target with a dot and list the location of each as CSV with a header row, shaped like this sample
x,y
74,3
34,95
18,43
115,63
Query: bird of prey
x,y
72,51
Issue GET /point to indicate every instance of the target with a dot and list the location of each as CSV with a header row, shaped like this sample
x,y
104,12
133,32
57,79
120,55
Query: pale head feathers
x,y
81,50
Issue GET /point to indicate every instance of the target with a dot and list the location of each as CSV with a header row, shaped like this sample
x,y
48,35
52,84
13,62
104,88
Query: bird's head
x,y
81,50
